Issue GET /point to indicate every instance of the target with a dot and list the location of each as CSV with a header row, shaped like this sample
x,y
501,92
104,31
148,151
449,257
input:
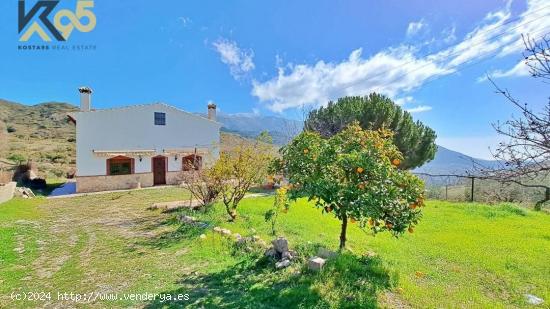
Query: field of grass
x,y
461,255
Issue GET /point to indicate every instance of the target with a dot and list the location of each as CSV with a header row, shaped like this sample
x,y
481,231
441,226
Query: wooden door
x,y
159,170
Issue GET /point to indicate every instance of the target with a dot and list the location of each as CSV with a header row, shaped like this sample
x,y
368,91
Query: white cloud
x,y
520,69
403,101
240,61
397,71
419,109
317,84
449,35
415,27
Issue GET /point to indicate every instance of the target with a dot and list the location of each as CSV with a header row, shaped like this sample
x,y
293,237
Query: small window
x,y
120,166
160,119
192,162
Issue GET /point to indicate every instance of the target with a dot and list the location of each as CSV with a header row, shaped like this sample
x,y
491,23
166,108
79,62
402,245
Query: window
x,y
160,119
192,162
120,166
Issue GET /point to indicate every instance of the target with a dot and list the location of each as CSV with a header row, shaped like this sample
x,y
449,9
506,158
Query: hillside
x,y
447,161
40,133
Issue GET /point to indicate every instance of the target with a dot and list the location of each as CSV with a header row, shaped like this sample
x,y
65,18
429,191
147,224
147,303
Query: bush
x,y
17,157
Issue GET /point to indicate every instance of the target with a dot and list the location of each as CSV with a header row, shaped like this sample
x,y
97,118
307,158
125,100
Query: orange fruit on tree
x,y
412,206
389,225
361,186
306,151
411,230
352,220
396,162
360,170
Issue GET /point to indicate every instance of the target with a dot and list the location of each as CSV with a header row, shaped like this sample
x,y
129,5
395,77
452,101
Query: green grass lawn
x,y
461,255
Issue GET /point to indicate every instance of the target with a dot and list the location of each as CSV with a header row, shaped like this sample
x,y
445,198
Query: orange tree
x,y
354,176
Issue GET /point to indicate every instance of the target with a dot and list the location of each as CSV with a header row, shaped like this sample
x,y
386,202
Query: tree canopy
x,y
414,140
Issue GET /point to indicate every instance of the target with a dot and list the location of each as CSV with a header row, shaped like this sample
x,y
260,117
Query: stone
x,y
256,238
282,264
226,232
238,236
287,256
203,237
270,253
316,263
280,245
533,300
187,219
325,253
217,229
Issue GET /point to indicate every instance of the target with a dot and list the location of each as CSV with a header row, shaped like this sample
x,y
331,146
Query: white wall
x,y
133,128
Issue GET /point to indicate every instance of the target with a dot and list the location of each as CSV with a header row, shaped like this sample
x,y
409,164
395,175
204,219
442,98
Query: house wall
x,y
7,191
133,128
86,184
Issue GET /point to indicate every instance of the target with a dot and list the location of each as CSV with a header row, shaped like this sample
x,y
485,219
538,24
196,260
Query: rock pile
x,y
279,252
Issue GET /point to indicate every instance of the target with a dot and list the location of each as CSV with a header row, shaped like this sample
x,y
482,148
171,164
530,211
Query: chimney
x,y
212,111
85,98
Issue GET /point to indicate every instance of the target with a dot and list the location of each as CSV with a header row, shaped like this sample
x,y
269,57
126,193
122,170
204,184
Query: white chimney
x,y
212,111
85,98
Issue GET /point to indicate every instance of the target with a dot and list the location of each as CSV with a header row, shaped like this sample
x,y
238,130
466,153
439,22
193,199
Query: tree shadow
x,y
171,236
346,281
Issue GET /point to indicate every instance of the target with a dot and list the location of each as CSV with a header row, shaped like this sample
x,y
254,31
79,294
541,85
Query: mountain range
x,y
41,132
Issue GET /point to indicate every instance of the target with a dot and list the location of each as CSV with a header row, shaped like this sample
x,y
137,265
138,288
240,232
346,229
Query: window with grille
x,y
160,119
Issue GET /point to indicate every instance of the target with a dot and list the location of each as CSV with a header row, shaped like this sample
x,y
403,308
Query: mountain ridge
x,y
41,132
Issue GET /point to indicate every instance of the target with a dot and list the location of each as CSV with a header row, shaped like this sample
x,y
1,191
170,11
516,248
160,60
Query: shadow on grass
x,y
171,236
346,282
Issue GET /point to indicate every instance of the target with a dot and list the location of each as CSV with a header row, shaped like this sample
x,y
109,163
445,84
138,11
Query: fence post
x,y
446,192
472,190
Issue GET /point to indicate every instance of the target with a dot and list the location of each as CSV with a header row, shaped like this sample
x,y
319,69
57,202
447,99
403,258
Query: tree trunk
x,y
343,232
232,212
538,205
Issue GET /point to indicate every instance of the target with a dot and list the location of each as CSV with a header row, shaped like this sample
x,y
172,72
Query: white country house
x,y
140,145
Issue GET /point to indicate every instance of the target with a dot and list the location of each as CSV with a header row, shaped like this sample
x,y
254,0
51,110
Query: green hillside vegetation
x,y
40,133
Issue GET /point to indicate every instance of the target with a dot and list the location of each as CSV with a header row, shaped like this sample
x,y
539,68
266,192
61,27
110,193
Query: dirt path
x,y
100,244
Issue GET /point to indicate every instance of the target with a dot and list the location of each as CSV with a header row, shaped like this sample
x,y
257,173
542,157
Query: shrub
x,y
17,157
279,204
202,185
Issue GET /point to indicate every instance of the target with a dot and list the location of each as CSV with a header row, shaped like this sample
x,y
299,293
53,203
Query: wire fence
x,y
466,188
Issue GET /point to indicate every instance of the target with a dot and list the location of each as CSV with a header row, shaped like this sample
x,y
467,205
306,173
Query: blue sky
x,y
284,57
